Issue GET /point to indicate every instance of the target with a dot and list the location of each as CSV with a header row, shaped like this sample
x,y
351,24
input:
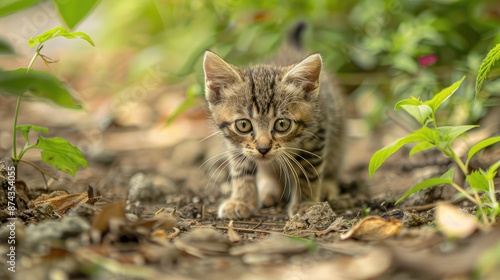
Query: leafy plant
x,y
491,58
56,151
431,135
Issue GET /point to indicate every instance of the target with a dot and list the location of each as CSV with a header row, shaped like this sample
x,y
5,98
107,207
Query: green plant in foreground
x,y
432,135
56,151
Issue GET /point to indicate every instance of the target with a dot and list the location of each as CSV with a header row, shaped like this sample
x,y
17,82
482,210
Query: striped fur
x,y
252,108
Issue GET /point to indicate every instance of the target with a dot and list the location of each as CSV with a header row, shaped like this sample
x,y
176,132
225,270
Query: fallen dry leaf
x,y
335,226
454,223
370,265
112,211
373,228
161,220
274,244
232,234
202,242
62,201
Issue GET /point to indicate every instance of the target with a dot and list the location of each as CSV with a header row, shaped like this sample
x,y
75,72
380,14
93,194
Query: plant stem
x,y
15,158
476,200
41,171
458,161
468,196
14,132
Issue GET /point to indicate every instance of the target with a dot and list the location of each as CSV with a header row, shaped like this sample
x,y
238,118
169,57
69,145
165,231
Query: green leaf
x,y
489,61
421,112
26,128
443,95
59,153
422,146
423,185
40,84
447,134
74,11
449,174
492,171
5,47
58,31
12,6
378,158
405,62
192,92
477,181
413,101
481,145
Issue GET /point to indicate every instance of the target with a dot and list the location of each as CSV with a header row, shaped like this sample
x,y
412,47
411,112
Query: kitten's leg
x,y
309,190
243,200
330,189
270,190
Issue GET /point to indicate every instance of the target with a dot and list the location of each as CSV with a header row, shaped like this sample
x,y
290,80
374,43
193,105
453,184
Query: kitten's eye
x,y
243,125
282,125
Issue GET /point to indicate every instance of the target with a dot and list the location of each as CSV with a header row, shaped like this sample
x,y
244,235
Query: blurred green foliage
x,y
381,50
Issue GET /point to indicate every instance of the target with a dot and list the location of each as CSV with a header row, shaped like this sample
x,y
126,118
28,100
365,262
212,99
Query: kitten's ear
x,y
218,74
306,73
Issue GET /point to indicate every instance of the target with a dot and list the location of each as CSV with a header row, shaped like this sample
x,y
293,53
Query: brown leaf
x,y
112,211
161,220
373,228
454,223
203,242
274,244
63,201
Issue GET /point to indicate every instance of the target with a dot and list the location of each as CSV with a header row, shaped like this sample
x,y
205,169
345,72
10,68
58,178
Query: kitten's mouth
x,y
264,158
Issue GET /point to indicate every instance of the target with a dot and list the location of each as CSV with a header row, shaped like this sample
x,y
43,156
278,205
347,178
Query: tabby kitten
x,y
283,126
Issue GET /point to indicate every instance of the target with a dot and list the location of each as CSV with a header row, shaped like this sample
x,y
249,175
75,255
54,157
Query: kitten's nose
x,y
263,149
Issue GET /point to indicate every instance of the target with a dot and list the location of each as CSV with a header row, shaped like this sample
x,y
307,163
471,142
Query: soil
x,y
145,208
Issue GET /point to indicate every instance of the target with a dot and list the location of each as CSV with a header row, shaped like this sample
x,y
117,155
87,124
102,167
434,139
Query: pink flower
x,y
427,60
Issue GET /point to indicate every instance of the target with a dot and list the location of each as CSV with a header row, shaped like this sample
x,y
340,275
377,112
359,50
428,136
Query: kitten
x,y
283,127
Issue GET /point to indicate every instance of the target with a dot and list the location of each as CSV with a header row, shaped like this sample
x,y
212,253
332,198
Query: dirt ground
x,y
145,208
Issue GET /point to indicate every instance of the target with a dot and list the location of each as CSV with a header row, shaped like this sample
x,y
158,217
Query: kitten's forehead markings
x,y
262,90
252,90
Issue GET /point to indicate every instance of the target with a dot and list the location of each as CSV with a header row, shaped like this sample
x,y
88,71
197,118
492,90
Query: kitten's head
x,y
263,110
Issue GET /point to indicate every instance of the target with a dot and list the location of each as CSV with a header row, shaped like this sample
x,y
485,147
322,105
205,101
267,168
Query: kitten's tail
x,y
295,35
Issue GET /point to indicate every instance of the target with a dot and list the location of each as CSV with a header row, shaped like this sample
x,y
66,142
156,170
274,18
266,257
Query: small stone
x,y
49,231
316,217
149,189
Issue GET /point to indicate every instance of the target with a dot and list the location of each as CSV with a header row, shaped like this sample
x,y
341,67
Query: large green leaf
x,y
420,112
424,134
26,128
40,84
481,145
58,31
59,153
491,58
5,48
12,6
447,134
422,146
423,185
443,95
74,11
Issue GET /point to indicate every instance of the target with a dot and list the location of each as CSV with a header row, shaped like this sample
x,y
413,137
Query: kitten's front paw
x,y
235,209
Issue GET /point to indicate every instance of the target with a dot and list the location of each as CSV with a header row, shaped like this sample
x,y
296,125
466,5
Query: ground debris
x,y
274,244
202,242
317,217
374,228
